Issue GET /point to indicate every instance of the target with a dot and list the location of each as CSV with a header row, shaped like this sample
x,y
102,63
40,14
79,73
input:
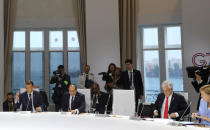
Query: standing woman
x,y
204,108
111,75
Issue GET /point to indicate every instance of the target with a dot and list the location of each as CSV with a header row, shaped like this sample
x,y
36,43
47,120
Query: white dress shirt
x,y
82,78
71,103
33,109
132,83
163,106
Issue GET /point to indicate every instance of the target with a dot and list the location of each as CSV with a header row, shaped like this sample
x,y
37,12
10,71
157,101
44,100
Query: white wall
x,y
1,54
45,13
159,11
196,36
102,24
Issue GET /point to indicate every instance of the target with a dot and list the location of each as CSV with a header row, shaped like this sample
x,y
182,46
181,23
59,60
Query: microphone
x,y
181,119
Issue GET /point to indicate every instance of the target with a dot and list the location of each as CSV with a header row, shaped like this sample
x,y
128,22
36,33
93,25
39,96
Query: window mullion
x,y
142,60
46,63
28,76
162,54
65,51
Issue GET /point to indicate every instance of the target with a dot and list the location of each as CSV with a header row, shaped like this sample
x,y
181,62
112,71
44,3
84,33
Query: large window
x,y
37,53
160,58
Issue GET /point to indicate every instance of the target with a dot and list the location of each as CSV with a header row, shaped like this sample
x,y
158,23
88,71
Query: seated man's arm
x,y
183,107
81,108
18,101
41,105
156,106
64,103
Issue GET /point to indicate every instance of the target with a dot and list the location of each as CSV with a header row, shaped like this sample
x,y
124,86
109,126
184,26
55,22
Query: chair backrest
x,y
185,94
22,90
86,92
123,102
146,110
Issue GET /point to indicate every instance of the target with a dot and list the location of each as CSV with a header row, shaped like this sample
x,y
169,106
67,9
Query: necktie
x,y
72,99
94,101
166,109
130,80
86,81
29,108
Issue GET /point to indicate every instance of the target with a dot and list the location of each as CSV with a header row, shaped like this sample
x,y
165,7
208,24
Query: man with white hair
x,y
170,105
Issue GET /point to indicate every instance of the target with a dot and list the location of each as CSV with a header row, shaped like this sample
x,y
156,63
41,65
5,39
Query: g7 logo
x,y
201,59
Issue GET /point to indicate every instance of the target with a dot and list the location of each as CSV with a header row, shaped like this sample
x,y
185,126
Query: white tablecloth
x,y
66,121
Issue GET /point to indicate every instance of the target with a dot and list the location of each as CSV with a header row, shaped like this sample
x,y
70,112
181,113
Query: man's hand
x,y
73,111
38,109
155,113
17,96
172,115
141,97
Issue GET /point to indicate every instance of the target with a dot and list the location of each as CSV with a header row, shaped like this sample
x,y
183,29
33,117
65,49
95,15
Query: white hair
x,y
167,83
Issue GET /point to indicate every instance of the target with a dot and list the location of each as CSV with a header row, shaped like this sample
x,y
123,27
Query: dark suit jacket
x,y
78,103
124,82
177,104
23,100
45,100
102,101
6,106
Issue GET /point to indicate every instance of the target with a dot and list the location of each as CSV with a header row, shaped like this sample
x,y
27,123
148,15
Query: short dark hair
x,y
60,67
10,93
73,85
129,61
29,82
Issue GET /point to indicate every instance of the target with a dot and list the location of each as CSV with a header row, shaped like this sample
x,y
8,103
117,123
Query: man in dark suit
x,y
131,79
73,101
8,105
98,99
197,83
170,104
29,100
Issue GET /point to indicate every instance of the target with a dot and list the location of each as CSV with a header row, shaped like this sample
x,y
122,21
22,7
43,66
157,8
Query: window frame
x,y
161,49
46,53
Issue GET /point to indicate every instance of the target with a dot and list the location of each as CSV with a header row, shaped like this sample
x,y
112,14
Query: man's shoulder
x,y
5,102
124,72
136,71
79,95
161,95
23,94
36,93
177,95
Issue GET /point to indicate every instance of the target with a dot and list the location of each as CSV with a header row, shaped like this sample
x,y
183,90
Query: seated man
x,y
29,100
73,101
170,104
98,99
8,105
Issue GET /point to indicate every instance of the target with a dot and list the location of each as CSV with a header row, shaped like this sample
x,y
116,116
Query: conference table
x,y
86,121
